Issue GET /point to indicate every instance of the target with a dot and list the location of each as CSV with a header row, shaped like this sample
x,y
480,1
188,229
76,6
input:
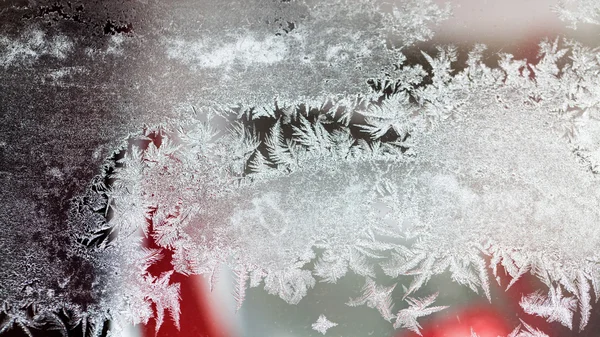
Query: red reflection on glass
x,y
198,319
483,320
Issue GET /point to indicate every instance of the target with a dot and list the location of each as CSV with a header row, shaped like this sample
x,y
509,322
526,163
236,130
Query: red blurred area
x,y
198,318
498,318
485,321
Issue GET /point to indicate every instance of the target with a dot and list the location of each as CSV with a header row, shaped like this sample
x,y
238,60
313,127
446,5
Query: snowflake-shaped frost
x,y
323,324
407,318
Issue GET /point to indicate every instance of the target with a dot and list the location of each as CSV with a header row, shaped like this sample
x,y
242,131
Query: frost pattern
x,y
246,50
323,324
328,48
30,46
392,175
377,297
407,318
523,330
416,170
580,11
526,331
554,307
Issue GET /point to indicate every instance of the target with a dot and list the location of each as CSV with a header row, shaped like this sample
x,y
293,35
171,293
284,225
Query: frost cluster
x,y
483,163
31,45
323,324
578,11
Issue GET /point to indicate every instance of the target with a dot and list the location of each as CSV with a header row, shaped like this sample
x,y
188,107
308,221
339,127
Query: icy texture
x,y
323,324
31,45
429,179
375,296
579,11
553,307
343,157
306,50
407,318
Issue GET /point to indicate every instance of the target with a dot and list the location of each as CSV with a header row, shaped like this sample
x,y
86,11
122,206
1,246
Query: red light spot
x,y
484,320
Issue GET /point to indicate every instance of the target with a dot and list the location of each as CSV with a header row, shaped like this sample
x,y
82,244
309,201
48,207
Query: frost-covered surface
x,y
30,46
314,150
438,183
578,11
306,50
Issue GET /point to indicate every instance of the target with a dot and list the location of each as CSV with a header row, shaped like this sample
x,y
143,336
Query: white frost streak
x,y
247,50
323,324
578,11
30,46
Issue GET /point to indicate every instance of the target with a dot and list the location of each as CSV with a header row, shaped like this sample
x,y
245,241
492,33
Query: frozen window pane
x,y
283,149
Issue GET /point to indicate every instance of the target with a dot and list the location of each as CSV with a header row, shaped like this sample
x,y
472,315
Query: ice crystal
x,y
328,48
164,295
323,324
407,318
581,11
526,330
375,296
554,307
